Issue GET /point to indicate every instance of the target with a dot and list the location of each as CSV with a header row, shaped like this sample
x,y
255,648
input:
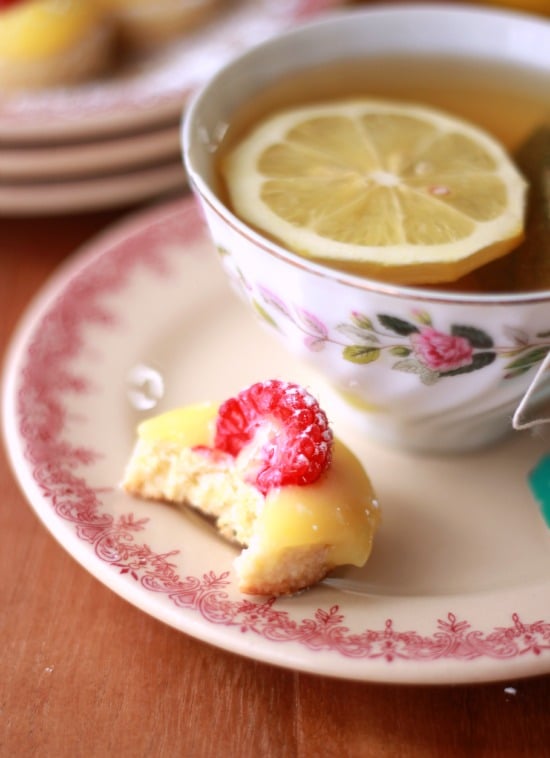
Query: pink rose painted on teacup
x,y
440,351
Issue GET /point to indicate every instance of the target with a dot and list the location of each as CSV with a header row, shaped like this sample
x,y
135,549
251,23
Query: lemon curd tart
x,y
47,43
265,467
52,42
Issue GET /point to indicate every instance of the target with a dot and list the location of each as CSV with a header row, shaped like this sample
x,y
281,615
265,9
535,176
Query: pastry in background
x,y
145,24
45,43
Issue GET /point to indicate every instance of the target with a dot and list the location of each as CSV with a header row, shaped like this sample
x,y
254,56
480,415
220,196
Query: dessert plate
x,y
92,193
152,89
91,158
142,320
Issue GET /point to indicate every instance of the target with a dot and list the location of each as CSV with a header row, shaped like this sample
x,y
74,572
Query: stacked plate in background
x,y
43,178
116,141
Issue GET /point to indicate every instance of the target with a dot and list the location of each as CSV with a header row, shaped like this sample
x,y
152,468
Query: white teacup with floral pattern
x,y
428,370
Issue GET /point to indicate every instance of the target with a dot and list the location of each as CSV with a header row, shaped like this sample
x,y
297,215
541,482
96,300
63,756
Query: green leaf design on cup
x,y
526,361
361,353
397,325
476,337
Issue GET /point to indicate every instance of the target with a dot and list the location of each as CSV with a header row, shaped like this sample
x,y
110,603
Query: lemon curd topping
x,y
190,426
38,28
339,510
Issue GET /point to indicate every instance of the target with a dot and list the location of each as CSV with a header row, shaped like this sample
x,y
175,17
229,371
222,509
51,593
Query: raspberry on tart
x,y
288,427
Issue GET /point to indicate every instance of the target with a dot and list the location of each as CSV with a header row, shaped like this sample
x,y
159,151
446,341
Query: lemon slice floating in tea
x,y
385,189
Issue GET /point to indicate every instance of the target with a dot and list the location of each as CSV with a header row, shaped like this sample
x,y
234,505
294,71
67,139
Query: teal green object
x,y
539,479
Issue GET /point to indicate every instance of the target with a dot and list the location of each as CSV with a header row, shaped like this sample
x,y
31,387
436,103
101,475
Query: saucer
x,y
143,319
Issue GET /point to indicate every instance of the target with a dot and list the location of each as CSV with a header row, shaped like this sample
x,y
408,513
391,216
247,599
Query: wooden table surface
x,y
85,674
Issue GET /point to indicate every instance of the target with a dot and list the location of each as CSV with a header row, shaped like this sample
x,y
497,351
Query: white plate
x,y
92,193
153,90
458,586
86,159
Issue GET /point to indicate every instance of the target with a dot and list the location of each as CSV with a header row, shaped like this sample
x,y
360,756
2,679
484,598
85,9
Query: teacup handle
x,y
520,419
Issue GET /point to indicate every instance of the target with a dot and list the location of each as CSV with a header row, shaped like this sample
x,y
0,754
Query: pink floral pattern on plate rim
x,y
45,381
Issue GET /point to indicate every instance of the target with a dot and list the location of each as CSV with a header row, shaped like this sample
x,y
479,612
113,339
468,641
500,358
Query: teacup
x,y
427,369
